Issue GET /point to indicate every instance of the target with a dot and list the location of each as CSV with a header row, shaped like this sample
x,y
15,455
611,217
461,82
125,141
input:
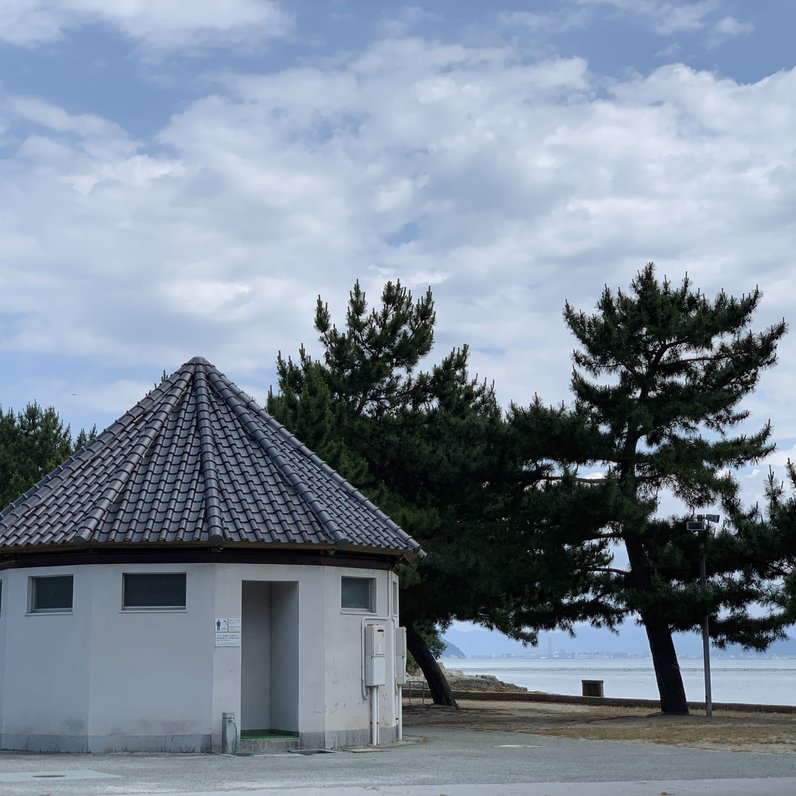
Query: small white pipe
x,y
374,715
400,712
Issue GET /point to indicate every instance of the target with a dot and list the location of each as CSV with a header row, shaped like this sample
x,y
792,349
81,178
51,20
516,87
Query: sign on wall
x,y
227,631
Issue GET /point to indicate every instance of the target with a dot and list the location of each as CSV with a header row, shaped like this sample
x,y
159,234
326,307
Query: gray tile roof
x,y
198,462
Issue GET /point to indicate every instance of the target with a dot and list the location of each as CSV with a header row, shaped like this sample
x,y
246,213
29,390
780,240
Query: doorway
x,y
269,657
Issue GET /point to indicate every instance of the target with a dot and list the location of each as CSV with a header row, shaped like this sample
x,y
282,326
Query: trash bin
x,y
592,688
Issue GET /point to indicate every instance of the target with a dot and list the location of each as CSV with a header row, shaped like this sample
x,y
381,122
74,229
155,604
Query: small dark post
x,y
706,639
702,526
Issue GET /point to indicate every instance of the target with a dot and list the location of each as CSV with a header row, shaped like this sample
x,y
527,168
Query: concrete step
x,y
269,745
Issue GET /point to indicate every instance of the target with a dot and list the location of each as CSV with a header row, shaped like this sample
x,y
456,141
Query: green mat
x,y
256,734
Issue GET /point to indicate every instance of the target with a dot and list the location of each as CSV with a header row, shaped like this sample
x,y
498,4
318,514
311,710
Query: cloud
x,y
404,20
509,185
675,17
545,22
206,297
728,28
114,397
165,25
27,23
51,128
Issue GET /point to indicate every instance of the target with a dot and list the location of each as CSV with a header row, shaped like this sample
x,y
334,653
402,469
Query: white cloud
x,y
545,22
114,397
404,19
523,185
164,25
27,22
40,112
728,28
206,297
674,17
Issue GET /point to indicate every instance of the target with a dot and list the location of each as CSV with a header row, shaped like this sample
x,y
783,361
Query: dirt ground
x,y
729,730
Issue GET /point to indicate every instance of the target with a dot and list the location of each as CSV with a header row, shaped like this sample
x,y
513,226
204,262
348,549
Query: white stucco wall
x,y
102,678
348,703
45,673
151,670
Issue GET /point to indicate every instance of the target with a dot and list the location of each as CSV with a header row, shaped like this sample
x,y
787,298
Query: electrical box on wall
x,y
375,655
400,656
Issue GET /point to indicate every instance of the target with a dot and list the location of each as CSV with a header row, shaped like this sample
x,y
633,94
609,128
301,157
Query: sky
x,y
184,178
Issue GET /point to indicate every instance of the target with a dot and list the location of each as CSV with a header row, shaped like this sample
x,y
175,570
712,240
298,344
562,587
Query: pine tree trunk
x,y
659,634
437,682
667,669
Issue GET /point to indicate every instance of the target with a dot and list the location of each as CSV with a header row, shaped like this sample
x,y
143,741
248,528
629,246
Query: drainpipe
x,y
400,712
374,715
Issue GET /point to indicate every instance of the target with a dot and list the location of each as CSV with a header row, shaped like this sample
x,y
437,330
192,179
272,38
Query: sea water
x,y
764,681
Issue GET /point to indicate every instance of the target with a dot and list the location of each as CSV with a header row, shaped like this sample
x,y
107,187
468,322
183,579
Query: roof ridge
x,y
83,534
239,403
252,405
209,465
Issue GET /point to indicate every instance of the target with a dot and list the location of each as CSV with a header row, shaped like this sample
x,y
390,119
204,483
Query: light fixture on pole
x,y
701,524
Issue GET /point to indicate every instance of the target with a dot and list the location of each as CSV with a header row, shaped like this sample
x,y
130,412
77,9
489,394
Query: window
x,y
157,590
358,594
52,594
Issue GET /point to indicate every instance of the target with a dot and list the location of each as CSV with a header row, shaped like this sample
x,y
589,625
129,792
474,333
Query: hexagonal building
x,y
193,575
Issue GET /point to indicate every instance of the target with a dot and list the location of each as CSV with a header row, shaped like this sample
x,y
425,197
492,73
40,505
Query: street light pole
x,y
706,637
702,525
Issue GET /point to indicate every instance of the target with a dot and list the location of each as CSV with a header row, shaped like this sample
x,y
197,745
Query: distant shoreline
x,y
753,681
478,688
608,656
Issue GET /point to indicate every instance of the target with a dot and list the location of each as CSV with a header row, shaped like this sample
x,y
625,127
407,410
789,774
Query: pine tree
x,y
386,426
32,443
432,449
657,380
768,544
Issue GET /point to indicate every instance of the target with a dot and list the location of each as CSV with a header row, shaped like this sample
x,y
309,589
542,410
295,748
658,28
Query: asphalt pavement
x,y
434,761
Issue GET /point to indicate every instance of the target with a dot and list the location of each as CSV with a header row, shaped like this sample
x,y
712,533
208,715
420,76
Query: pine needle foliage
x,y
33,442
432,448
659,376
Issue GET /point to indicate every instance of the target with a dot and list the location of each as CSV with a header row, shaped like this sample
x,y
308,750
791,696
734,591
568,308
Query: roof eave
x,y
142,545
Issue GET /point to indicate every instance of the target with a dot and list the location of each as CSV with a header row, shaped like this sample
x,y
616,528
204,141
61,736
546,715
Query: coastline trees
x,y
518,538
432,448
657,380
407,438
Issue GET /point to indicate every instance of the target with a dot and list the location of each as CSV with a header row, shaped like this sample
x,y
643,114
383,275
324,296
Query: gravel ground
x,y
729,730
435,760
